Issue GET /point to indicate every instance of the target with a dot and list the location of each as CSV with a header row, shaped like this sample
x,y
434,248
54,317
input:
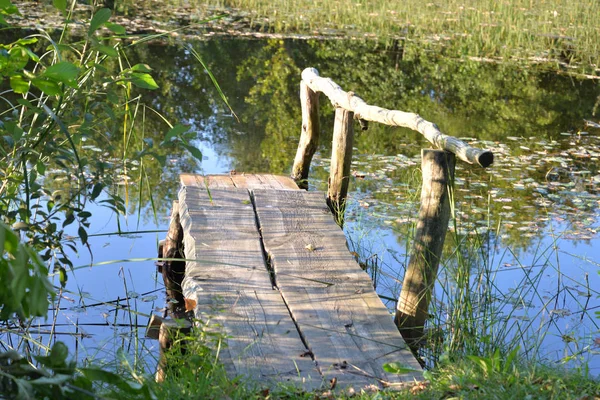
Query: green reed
x,y
73,135
560,30
473,312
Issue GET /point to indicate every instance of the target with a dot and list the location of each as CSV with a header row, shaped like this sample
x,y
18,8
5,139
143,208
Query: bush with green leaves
x,y
70,136
57,378
25,286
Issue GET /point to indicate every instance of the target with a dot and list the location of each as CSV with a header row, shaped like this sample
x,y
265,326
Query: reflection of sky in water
x,y
110,279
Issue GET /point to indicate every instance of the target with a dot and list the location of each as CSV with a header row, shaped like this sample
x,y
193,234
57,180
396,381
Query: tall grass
x,y
72,136
560,30
475,312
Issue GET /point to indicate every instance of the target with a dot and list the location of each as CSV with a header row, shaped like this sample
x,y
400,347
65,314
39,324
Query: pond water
x,y
527,227
528,224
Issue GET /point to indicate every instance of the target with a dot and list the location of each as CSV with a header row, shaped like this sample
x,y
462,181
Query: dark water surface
x,y
534,214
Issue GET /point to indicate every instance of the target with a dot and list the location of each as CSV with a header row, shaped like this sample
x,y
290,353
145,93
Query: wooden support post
x,y
436,194
170,331
309,138
341,158
173,270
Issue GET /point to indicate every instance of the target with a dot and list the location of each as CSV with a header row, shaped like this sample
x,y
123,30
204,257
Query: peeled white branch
x,y
364,111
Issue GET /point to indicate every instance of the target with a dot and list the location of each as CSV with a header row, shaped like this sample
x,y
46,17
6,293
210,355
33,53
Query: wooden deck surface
x,y
272,269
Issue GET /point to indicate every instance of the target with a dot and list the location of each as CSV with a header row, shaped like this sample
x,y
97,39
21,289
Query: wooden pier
x,y
267,262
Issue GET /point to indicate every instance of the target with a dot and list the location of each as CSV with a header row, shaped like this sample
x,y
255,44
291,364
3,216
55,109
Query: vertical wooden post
x,y
341,158
173,271
434,214
309,138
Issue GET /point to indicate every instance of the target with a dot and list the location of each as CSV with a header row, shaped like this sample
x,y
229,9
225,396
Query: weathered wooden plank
x,y
229,280
302,230
219,181
275,183
251,181
240,181
339,315
191,180
287,182
210,181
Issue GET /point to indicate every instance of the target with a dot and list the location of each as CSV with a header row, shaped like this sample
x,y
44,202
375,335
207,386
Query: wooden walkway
x,y
272,269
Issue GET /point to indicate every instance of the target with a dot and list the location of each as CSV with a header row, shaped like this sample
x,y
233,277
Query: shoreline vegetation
x,y
67,92
561,34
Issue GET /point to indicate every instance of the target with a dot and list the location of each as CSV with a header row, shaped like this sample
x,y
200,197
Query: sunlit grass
x,y
561,30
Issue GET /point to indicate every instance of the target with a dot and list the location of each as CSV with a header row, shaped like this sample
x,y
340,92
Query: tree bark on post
x,y
173,270
434,215
341,158
309,138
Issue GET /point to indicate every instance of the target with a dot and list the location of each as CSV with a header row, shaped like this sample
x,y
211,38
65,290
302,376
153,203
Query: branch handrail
x,y
350,102
437,168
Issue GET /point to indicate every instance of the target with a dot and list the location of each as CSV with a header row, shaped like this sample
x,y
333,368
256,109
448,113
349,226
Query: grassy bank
x,y
561,30
471,378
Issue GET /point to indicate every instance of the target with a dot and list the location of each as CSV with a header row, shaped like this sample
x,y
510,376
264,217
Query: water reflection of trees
x,y
465,98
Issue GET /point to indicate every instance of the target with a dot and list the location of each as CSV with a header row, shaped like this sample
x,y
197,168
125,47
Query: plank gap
x,y
268,262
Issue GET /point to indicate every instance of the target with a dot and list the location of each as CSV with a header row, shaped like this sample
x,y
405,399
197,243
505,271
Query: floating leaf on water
x,y
563,312
148,299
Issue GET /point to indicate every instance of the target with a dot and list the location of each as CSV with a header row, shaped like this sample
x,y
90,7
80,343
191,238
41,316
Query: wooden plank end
x,y
191,180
